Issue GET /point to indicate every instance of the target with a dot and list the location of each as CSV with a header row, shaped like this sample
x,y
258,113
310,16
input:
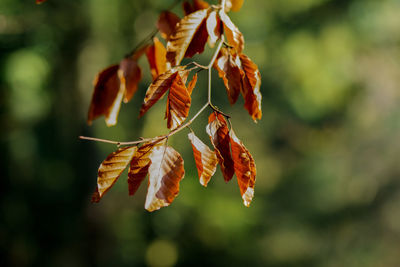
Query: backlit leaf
x,y
166,23
251,87
130,75
245,168
206,159
183,36
218,131
214,28
192,84
178,103
230,73
233,5
110,170
233,35
165,172
107,96
156,54
158,88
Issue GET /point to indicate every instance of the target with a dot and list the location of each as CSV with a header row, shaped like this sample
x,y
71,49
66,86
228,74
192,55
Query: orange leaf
x,y
139,167
206,159
158,88
165,172
214,28
178,103
199,41
233,5
233,35
218,131
197,5
230,73
181,39
156,54
111,169
251,87
166,23
245,168
192,84
107,96
130,75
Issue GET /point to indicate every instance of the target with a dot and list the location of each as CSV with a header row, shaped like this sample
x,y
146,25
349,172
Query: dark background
x,y
327,148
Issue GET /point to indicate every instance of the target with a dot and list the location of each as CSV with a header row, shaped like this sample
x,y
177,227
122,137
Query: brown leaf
x,y
233,35
218,131
166,23
158,88
206,159
251,87
129,74
192,84
230,73
178,103
245,168
197,5
165,172
139,167
111,169
233,5
214,28
107,96
156,54
199,41
181,39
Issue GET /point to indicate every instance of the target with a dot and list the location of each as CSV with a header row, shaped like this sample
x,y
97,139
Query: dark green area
x,y
327,148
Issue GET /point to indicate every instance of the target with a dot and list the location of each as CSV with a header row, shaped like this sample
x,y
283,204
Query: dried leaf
x,y
178,103
139,167
233,5
158,88
192,84
197,5
111,169
245,168
230,73
107,96
206,159
218,131
129,74
183,36
156,54
199,41
214,28
166,23
233,35
251,87
165,172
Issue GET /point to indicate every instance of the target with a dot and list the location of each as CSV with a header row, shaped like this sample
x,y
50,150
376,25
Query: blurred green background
x,y
327,148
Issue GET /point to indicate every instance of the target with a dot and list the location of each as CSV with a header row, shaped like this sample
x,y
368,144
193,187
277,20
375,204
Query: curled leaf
x,y
129,74
166,23
156,54
230,73
214,28
218,131
111,169
245,168
165,172
251,87
206,159
180,40
233,35
178,103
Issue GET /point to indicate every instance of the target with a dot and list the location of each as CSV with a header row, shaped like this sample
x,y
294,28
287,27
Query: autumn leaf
x,y
178,103
233,35
107,96
245,168
230,73
197,5
158,88
218,131
181,39
129,74
214,28
233,5
156,54
111,169
166,23
192,84
251,87
206,159
165,172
